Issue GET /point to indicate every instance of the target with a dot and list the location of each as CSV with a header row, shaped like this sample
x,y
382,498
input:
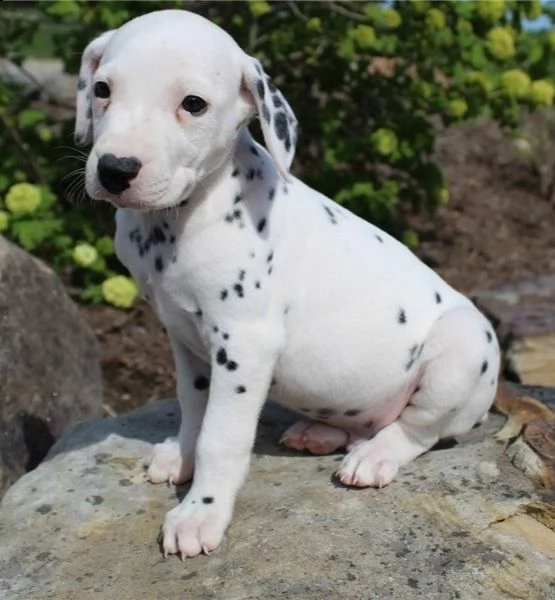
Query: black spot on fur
x,y
259,174
242,273
271,193
270,257
165,225
280,125
277,101
158,263
273,89
257,285
260,88
172,239
484,367
261,225
208,500
235,172
238,198
225,336
273,382
237,213
379,238
489,337
270,270
221,356
201,383
401,316
89,113
198,313
158,235
265,113
258,68
238,288
240,389
253,150
223,294
414,354
331,215
215,329
438,298
81,84
326,412
250,174
232,365
353,412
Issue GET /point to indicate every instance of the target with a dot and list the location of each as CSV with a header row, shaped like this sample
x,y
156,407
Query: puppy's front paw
x,y
195,526
166,463
367,465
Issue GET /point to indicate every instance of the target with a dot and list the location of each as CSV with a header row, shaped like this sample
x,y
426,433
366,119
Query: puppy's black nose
x,y
115,173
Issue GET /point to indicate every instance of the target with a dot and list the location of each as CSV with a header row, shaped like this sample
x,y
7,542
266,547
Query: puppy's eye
x,y
194,105
101,89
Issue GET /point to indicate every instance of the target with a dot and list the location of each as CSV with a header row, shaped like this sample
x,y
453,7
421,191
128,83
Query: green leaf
x,y
32,233
30,117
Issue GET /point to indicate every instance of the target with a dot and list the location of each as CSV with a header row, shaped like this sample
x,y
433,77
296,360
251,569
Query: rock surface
x,y
523,313
49,365
458,523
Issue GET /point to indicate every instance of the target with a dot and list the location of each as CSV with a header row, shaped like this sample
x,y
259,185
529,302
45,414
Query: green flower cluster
x,y
457,108
85,255
364,36
23,198
516,82
384,141
491,10
501,43
120,291
542,92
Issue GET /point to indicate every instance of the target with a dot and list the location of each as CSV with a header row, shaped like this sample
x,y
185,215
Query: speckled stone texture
x,y
49,363
458,523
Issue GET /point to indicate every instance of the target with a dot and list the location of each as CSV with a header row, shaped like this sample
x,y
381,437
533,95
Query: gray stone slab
x,y
457,523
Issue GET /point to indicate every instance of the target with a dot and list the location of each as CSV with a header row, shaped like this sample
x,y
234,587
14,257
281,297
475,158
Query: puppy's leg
x,y
173,459
241,375
460,368
316,438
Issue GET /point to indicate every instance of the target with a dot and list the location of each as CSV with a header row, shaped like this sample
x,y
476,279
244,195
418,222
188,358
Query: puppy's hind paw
x,y
364,468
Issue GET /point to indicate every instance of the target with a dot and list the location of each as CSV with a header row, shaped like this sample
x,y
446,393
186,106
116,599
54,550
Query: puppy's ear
x,y
277,120
89,63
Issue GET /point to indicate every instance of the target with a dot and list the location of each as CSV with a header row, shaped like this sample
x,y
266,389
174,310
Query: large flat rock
x,y
458,523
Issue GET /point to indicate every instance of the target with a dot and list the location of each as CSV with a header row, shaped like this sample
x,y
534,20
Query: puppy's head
x,y
163,99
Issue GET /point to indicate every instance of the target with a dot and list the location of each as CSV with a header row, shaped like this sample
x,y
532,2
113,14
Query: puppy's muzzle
x,y
115,173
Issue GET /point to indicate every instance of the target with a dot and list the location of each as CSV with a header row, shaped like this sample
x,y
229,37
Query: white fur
x,y
257,277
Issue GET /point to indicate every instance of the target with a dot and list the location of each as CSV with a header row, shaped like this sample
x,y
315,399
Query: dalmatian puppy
x,y
266,287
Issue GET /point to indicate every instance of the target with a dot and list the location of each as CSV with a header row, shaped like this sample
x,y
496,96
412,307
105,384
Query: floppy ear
x,y
89,63
277,120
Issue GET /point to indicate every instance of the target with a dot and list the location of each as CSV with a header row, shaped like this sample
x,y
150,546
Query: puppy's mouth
x,y
174,194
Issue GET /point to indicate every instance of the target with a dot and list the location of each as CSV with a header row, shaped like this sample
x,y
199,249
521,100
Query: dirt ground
x,y
496,228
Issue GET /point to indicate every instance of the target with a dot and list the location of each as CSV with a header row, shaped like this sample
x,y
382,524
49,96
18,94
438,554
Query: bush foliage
x,y
370,82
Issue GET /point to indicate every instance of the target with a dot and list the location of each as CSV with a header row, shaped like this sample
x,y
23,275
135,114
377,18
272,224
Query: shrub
x,y
369,82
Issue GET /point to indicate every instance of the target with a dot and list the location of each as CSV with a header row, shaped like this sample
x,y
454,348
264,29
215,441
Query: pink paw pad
x,y
315,438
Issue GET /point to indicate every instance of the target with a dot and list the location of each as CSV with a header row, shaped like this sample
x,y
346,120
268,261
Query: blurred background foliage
x,y
371,83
